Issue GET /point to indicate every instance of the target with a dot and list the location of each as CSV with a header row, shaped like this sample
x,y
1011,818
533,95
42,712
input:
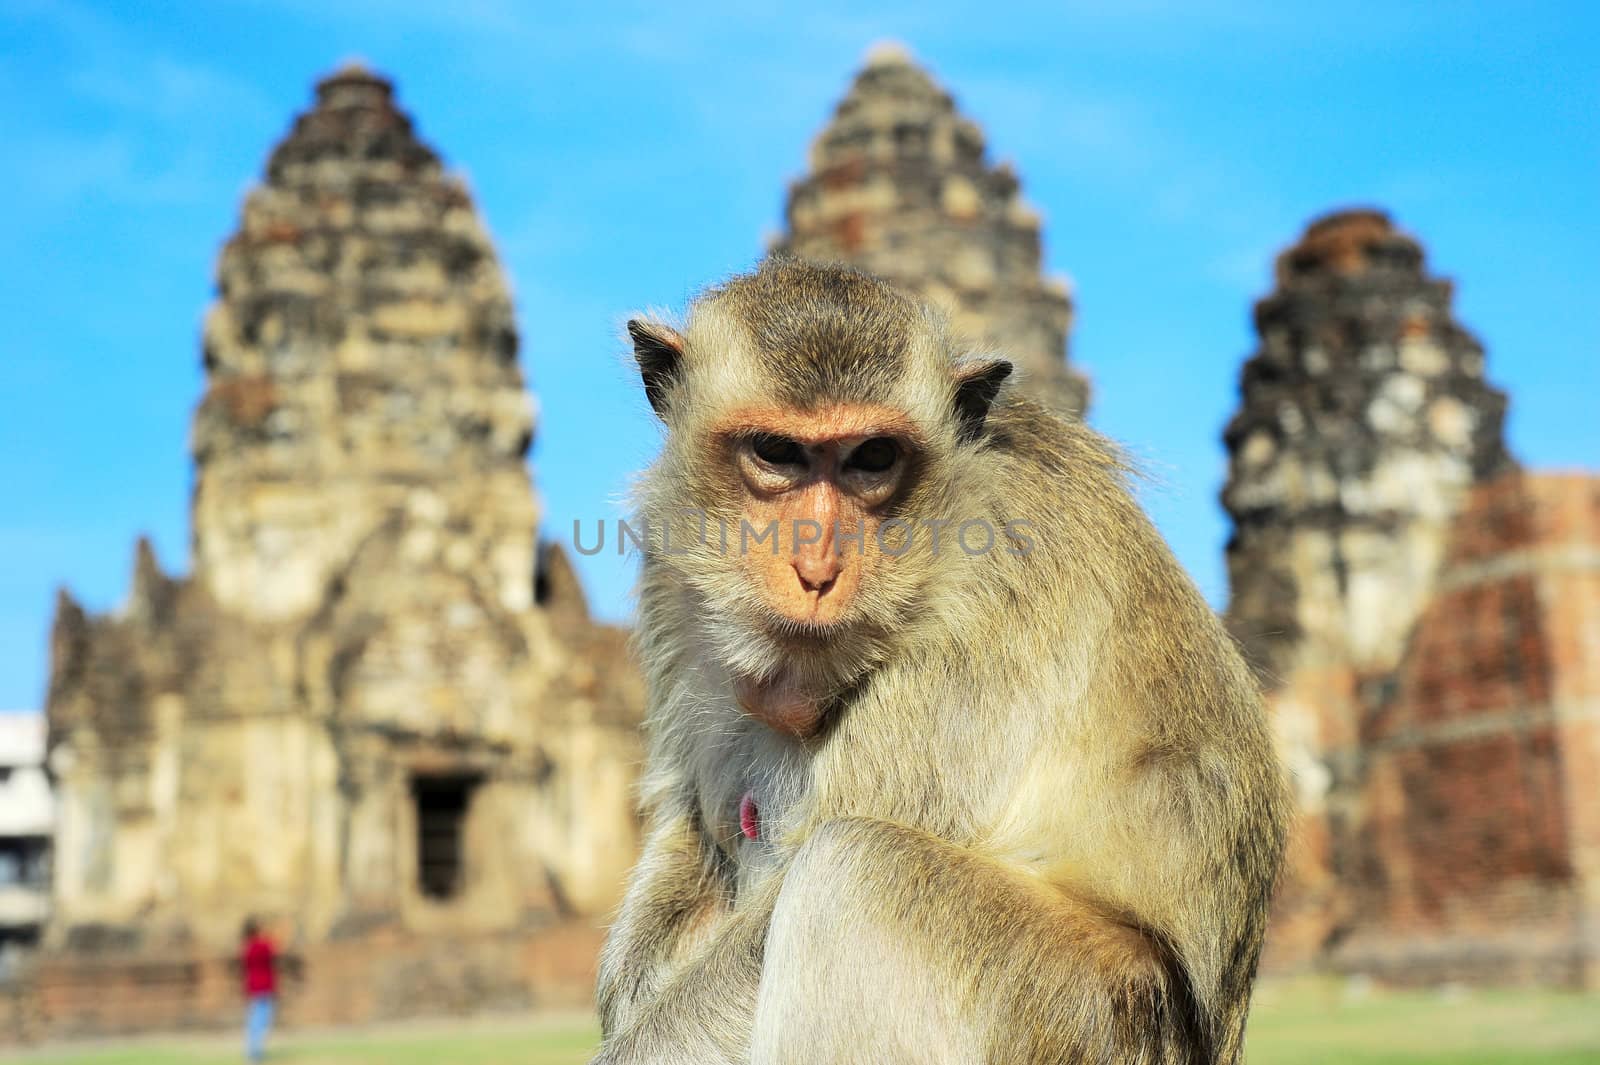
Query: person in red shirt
x,y
258,961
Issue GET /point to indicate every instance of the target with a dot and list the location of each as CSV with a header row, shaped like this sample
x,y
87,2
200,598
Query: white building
x,y
27,818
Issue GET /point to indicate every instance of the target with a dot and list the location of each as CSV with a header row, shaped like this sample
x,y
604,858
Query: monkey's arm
x,y
891,946
883,944
675,896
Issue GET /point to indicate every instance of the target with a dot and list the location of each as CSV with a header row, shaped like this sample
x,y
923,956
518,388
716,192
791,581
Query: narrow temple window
x,y
442,805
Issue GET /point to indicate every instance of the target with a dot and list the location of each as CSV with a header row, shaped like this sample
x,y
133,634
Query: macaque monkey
x,y
948,759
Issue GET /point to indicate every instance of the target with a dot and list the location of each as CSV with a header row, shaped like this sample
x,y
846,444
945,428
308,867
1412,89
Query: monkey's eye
x,y
874,456
777,450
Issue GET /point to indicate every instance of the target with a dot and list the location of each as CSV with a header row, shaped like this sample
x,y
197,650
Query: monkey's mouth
x,y
812,617
803,634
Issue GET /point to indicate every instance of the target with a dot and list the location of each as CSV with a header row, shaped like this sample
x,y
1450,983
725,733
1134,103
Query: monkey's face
x,y
815,417
819,485
809,588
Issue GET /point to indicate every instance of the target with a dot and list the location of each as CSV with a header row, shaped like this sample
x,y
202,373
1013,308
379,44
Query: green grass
x,y
1299,1023
1331,1023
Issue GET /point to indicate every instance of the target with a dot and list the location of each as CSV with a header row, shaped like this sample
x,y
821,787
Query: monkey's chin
x,y
804,634
806,622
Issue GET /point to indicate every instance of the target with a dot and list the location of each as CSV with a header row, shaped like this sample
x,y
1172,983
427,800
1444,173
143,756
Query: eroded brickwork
x,y
1480,851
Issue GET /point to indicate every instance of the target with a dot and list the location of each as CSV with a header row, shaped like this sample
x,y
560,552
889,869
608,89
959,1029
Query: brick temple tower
x,y
1427,619
900,185
364,717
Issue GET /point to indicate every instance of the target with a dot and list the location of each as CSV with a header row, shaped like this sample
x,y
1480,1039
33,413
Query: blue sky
x,y
625,154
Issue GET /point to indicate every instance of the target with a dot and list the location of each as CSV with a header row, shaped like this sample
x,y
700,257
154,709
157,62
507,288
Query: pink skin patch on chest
x,y
780,705
749,819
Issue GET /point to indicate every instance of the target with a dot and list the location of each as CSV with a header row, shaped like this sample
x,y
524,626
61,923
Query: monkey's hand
x,y
703,1013
674,900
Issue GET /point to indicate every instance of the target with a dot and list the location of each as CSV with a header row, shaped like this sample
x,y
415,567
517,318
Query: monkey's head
x,y
815,418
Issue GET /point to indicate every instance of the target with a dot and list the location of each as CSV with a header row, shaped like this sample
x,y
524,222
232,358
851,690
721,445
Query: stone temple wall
x,y
900,186
372,713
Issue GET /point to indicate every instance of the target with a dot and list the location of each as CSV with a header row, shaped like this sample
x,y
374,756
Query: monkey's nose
x,y
817,572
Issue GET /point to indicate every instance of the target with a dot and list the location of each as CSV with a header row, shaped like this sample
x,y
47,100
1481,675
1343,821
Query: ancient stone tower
x,y
1364,419
900,185
362,364
1424,613
368,711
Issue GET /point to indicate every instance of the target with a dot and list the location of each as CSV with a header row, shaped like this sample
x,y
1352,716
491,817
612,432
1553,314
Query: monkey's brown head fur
x,y
810,411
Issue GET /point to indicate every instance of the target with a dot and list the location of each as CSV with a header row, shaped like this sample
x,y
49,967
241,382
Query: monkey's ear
x,y
659,351
976,387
